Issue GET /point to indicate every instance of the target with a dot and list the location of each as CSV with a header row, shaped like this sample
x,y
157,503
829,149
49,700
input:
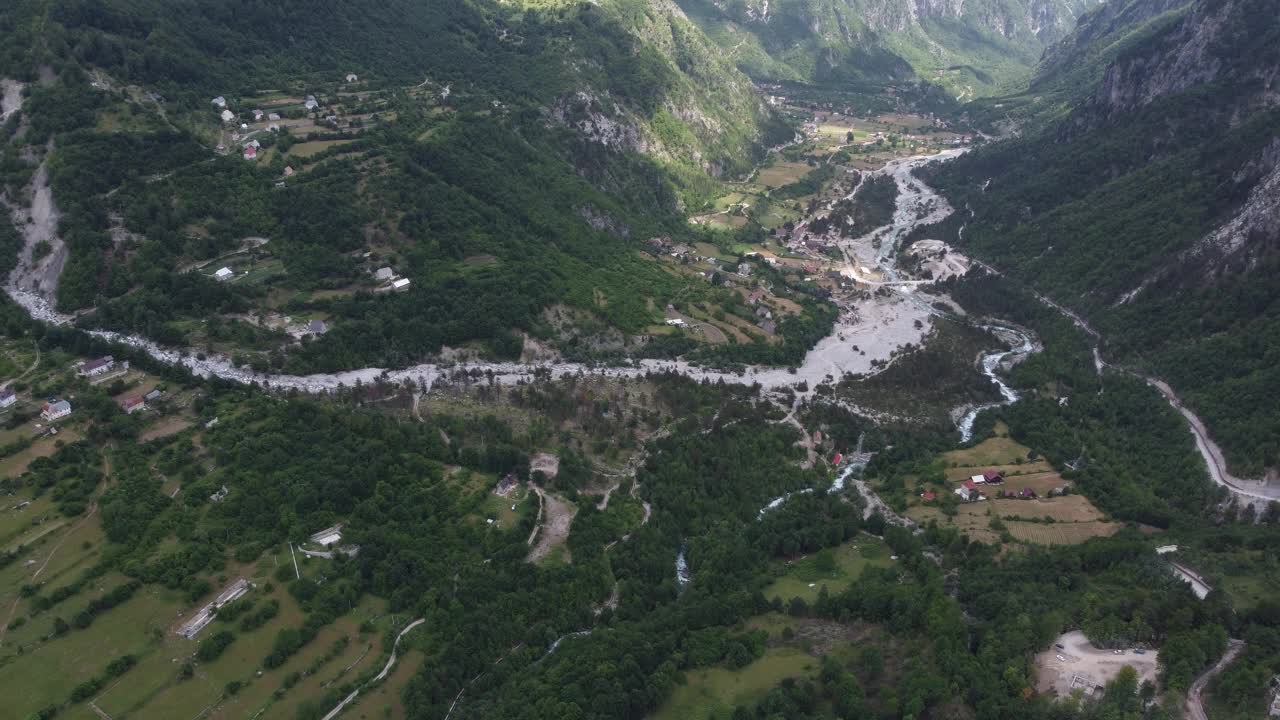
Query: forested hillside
x,y
1147,201
970,48
616,114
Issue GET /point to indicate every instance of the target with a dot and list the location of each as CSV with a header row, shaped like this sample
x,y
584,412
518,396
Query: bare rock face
x,y
1205,48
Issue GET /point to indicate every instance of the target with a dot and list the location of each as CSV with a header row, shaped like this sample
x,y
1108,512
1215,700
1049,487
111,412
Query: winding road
x,y
1195,705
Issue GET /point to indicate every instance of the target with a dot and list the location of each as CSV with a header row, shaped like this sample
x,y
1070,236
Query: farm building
x,y
55,409
7,397
225,273
102,365
401,284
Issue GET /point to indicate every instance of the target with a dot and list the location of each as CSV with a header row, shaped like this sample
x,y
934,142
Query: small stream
x,y
1021,345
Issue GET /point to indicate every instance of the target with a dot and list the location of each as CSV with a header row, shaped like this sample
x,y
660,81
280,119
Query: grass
x,y
804,578
775,176
499,508
16,464
711,694
994,451
386,701
48,673
314,147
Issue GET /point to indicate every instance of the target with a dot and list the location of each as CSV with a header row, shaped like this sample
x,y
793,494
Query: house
x,y
383,274
770,327
681,250
977,479
756,296
352,77
224,274
764,313
992,477
227,116
401,284
133,404
220,102
55,409
244,126
744,269
316,327
311,103
273,117
331,121
928,496
7,397
97,367
837,459
250,152
254,144
153,395
257,115
676,322
273,127
288,171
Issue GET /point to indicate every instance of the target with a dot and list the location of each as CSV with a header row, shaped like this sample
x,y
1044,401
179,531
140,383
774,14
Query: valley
x,y
638,360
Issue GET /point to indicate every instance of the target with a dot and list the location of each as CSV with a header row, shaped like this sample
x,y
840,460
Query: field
x,y
804,578
775,176
711,694
385,701
1069,509
971,519
314,147
1060,533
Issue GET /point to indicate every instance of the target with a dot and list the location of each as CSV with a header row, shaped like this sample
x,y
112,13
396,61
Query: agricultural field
x,y
835,569
784,173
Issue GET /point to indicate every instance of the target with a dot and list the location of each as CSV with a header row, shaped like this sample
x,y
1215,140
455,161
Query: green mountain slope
x,y
506,157
1150,203
971,48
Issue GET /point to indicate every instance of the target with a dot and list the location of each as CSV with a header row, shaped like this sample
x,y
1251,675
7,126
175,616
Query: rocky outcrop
x,y
1214,43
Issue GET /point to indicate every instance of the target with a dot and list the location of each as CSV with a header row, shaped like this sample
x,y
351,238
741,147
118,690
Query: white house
x,y
351,77
676,322
225,273
328,536
311,103
227,116
273,116
56,409
8,397
384,274
257,116
220,102
401,284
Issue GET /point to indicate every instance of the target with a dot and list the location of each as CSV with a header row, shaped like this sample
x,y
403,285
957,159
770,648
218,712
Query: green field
x,y
711,694
805,578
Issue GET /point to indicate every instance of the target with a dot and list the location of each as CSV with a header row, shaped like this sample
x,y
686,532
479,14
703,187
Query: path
x,y
34,364
386,669
555,530
1195,705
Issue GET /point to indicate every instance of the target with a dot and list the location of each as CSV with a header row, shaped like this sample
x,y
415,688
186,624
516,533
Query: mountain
x,y
971,48
616,115
1148,198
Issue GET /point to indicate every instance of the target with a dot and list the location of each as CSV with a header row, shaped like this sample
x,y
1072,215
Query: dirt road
x,y
1195,705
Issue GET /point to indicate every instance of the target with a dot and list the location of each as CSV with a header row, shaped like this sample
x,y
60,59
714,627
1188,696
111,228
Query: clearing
x,y
1080,665
805,577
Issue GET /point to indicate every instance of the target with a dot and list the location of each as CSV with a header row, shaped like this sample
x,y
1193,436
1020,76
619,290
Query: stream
x,y
1021,345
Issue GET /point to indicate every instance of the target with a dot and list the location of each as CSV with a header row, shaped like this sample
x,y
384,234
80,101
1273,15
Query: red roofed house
x,y
928,496
251,153
969,485
133,404
992,477
836,460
